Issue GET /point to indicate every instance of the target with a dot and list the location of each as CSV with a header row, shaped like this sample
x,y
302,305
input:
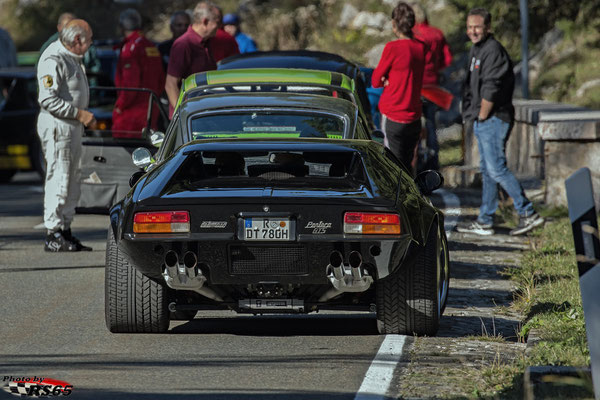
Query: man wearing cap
x,y
231,25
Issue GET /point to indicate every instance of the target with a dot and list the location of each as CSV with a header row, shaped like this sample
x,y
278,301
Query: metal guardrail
x,y
584,220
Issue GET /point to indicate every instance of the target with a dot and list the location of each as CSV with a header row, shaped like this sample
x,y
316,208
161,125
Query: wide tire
x,y
134,303
408,299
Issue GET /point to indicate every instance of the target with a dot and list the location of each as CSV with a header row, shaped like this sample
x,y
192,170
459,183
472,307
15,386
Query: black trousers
x,y
401,139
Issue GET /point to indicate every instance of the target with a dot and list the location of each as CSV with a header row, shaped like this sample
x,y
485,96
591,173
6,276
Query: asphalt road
x,y
52,325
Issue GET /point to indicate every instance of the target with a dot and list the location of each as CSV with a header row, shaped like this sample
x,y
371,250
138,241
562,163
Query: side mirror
x,y
141,157
378,135
135,177
157,138
428,181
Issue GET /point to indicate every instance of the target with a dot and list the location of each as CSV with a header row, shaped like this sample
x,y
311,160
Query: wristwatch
x,y
481,120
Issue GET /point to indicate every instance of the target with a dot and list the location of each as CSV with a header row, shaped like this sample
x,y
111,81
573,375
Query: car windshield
x,y
268,124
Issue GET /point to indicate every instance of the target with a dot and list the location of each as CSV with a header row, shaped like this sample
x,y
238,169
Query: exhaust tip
x,y
171,259
190,259
336,259
355,259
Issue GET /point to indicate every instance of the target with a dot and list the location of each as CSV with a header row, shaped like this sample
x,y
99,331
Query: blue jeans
x,y
492,135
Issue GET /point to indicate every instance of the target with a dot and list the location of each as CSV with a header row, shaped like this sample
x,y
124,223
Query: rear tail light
x,y
161,222
372,223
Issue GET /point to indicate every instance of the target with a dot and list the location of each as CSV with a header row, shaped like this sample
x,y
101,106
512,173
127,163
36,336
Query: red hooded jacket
x,y
139,66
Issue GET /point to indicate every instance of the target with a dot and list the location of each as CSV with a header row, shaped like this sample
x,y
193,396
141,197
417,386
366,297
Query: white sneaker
x,y
527,223
476,228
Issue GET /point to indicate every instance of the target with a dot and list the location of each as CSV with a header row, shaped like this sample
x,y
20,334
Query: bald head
x,y
64,19
76,36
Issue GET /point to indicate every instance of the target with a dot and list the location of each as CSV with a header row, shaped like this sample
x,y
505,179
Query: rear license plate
x,y
267,229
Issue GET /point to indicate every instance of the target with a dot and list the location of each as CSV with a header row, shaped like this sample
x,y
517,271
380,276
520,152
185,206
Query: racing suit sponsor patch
x,y
152,52
47,81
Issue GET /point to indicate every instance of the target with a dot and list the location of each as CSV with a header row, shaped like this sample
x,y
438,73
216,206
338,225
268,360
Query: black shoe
x,y
80,247
56,241
527,223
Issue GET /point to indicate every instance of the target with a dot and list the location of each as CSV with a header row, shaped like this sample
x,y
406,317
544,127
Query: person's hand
x,y
384,81
86,118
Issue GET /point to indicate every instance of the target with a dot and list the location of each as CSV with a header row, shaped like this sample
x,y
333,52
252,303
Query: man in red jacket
x,y
437,58
139,66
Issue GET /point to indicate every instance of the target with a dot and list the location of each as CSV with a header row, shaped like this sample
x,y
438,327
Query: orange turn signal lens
x,y
161,222
372,223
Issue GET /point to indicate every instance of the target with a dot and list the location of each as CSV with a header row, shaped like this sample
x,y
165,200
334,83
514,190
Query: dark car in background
x,y
20,148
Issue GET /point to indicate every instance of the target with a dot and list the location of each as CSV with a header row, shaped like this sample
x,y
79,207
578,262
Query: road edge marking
x,y
380,374
381,371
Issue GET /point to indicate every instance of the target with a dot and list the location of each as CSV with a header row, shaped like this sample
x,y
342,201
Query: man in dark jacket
x,y
487,104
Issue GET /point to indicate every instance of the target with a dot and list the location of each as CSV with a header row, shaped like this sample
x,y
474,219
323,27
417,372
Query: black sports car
x,y
278,226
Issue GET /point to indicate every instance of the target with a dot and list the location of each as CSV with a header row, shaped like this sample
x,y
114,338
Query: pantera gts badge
x,y
213,224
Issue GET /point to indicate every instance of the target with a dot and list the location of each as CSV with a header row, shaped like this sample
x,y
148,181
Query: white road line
x,y
381,372
451,210
379,376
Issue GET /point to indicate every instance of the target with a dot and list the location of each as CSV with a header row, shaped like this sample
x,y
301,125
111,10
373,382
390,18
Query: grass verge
x,y
548,295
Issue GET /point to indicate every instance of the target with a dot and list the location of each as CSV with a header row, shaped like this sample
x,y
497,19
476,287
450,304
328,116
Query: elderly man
x,y
139,66
190,53
90,58
63,97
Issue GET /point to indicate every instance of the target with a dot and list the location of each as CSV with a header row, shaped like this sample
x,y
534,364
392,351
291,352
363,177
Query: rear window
x,y
268,124
274,168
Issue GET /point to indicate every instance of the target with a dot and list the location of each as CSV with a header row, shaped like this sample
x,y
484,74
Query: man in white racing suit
x,y
63,97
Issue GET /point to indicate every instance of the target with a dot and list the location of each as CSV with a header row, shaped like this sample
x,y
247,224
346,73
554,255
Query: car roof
x,y
270,100
304,59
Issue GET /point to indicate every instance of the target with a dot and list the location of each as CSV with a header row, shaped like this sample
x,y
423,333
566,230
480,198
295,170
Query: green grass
x,y
548,294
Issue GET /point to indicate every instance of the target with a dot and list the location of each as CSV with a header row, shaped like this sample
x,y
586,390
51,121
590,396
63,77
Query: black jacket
x,y
489,76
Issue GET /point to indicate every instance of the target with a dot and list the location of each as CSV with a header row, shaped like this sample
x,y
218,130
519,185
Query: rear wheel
x,y
409,301
134,303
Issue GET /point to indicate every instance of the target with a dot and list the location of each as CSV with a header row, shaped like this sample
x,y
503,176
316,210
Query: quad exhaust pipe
x,y
187,275
353,278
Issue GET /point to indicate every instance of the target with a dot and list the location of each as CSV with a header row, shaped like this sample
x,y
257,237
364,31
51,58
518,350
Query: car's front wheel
x,y
410,300
134,303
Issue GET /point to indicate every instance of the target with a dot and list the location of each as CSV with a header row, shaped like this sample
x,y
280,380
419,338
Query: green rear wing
x,y
266,80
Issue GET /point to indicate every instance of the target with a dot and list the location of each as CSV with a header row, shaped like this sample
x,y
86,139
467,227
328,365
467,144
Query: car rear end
x,y
269,227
